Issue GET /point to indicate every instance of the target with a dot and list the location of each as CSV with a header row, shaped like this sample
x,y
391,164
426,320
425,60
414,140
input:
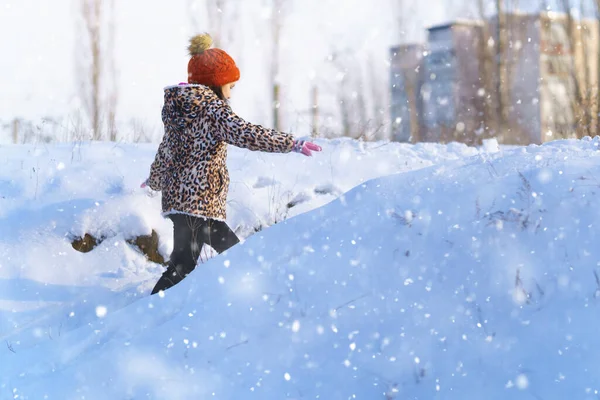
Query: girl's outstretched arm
x,y
236,131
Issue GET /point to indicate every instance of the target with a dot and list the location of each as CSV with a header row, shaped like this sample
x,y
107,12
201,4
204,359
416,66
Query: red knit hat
x,y
210,67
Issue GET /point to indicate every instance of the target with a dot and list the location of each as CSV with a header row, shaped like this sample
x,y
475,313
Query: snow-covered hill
x,y
401,271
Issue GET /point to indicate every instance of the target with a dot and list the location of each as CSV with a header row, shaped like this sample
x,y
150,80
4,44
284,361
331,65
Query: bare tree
x,y
112,98
399,7
91,11
586,108
486,65
403,13
214,14
597,97
15,130
376,86
576,97
95,77
279,9
314,108
352,98
579,78
501,65
342,96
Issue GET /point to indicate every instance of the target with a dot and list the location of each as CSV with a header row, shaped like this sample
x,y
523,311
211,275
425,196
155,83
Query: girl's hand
x,y
304,147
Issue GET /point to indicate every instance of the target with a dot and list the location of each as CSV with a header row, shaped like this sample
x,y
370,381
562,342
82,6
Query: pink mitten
x,y
304,147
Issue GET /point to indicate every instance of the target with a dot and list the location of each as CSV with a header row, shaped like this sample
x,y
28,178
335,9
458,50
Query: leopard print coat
x,y
190,166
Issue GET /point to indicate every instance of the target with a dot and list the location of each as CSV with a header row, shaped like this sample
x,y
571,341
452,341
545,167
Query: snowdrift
x,y
474,278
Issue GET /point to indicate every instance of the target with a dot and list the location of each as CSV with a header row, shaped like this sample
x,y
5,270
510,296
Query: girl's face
x,y
227,90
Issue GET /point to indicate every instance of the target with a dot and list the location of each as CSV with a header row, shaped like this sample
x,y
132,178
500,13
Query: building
x,y
568,76
551,75
451,105
404,80
546,81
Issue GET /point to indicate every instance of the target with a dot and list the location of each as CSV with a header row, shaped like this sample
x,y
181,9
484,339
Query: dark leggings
x,y
189,236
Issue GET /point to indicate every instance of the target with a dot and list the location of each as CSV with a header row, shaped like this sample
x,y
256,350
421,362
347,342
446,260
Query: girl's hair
x,y
219,92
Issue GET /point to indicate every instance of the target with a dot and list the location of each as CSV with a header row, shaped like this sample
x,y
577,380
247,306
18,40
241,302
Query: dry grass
x,y
85,244
147,244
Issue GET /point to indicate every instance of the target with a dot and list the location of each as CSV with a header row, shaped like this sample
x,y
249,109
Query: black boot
x,y
189,235
171,277
183,258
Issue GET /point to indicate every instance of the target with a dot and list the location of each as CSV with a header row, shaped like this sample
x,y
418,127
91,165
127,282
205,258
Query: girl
x,y
190,166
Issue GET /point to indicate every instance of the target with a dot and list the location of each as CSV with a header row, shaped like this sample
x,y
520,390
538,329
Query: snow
x,y
491,145
401,271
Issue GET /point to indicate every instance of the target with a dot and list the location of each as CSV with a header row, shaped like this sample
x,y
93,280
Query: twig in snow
x,y
404,219
526,192
495,174
237,345
519,285
539,288
277,295
37,181
380,146
419,374
10,347
352,301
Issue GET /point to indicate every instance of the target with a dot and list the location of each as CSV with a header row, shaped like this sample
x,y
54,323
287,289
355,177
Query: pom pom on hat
x,y
199,44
